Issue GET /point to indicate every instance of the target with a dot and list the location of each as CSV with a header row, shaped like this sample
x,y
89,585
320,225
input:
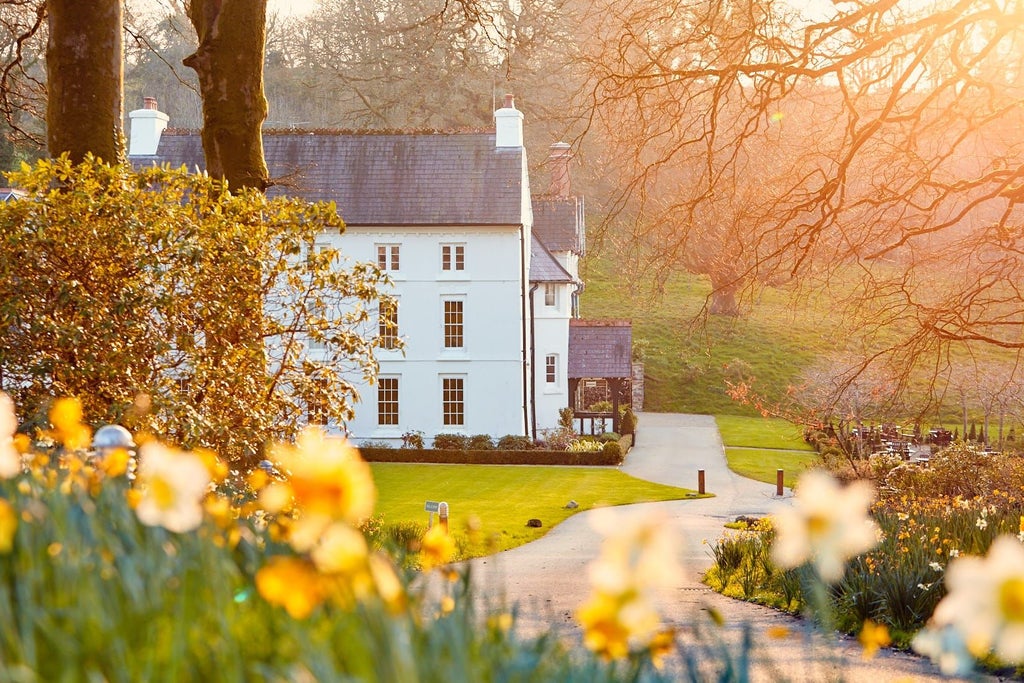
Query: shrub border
x,y
491,457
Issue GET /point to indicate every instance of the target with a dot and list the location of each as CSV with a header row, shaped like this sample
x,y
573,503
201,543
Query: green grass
x,y
761,464
761,432
503,498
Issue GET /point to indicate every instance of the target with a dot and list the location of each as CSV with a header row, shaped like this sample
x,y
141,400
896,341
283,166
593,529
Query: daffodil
x,y
827,525
8,526
340,550
171,485
10,458
292,583
985,601
328,477
66,417
873,637
436,548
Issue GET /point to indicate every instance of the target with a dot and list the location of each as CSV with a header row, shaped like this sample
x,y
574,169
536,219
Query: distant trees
x,y
900,169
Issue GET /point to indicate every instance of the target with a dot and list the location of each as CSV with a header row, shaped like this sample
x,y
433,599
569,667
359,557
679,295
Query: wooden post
x,y
442,516
779,479
700,482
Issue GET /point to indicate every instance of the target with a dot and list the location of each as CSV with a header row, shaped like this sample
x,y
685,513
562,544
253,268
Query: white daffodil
x,y
944,646
172,485
985,602
10,459
828,525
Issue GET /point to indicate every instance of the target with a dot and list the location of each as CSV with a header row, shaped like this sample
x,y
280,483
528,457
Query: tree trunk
x,y
723,296
229,63
85,79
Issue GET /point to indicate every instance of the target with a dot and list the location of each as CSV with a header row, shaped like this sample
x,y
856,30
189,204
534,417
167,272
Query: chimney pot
x,y
510,101
149,103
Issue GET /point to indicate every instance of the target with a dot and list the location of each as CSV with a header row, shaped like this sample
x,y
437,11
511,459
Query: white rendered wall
x,y
491,360
551,336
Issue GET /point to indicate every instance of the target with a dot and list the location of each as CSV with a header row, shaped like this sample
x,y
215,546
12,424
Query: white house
x,y
485,274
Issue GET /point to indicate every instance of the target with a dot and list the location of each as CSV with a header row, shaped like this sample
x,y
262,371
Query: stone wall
x,y
637,399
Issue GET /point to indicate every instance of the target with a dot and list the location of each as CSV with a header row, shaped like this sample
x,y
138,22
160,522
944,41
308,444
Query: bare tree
x,y
907,124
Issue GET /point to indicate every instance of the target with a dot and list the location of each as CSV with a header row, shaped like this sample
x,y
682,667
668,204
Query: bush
x,y
412,439
627,425
376,444
585,446
451,442
608,436
592,458
600,407
481,442
558,439
612,449
565,418
513,442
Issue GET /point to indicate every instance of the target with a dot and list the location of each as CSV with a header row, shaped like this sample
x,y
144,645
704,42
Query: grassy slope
x,y
503,498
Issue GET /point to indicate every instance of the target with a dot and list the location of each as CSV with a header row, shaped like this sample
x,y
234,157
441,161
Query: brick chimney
x,y
508,125
145,126
558,161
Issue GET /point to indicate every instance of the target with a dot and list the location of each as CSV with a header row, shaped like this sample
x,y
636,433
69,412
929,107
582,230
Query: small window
x,y
453,257
387,323
551,369
453,401
453,321
388,256
387,401
550,294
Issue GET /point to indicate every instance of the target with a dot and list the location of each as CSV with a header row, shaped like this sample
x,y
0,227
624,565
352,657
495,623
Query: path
x,y
548,577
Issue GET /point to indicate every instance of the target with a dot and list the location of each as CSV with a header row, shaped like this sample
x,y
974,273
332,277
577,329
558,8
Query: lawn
x,y
503,497
756,447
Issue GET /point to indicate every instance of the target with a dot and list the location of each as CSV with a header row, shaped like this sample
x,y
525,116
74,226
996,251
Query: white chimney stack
x,y
145,126
508,125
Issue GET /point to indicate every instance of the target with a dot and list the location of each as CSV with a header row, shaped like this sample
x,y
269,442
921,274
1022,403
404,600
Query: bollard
x,y
442,516
700,482
779,478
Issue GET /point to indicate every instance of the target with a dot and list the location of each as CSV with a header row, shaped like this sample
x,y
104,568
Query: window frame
x,y
389,256
453,400
551,295
453,257
551,369
388,400
453,323
387,333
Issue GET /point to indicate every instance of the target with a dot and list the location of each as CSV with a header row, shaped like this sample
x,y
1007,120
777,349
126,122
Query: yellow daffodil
x,y
873,637
66,417
8,526
436,548
327,476
389,588
10,457
171,485
340,550
827,525
292,583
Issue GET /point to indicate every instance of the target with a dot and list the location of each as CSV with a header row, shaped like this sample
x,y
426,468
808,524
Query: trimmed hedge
x,y
492,457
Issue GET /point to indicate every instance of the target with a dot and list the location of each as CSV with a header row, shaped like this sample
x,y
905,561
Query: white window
x,y
387,323
453,401
551,368
550,294
453,324
388,256
453,257
387,401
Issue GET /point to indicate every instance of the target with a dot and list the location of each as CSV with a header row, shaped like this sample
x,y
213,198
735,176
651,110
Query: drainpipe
x,y
522,294
533,363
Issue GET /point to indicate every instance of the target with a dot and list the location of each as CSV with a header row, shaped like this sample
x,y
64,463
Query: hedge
x,y
491,457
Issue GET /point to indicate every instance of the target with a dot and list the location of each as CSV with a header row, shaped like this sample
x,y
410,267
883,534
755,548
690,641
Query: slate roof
x,y
558,221
543,266
385,179
600,348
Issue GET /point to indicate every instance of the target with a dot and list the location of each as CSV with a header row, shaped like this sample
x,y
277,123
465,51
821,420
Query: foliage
x,y
412,439
627,425
480,442
171,305
612,449
451,442
608,436
565,418
514,442
558,439
585,446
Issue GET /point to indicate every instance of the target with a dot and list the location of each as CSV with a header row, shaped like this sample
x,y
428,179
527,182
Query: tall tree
x,y
84,73
911,161
229,63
